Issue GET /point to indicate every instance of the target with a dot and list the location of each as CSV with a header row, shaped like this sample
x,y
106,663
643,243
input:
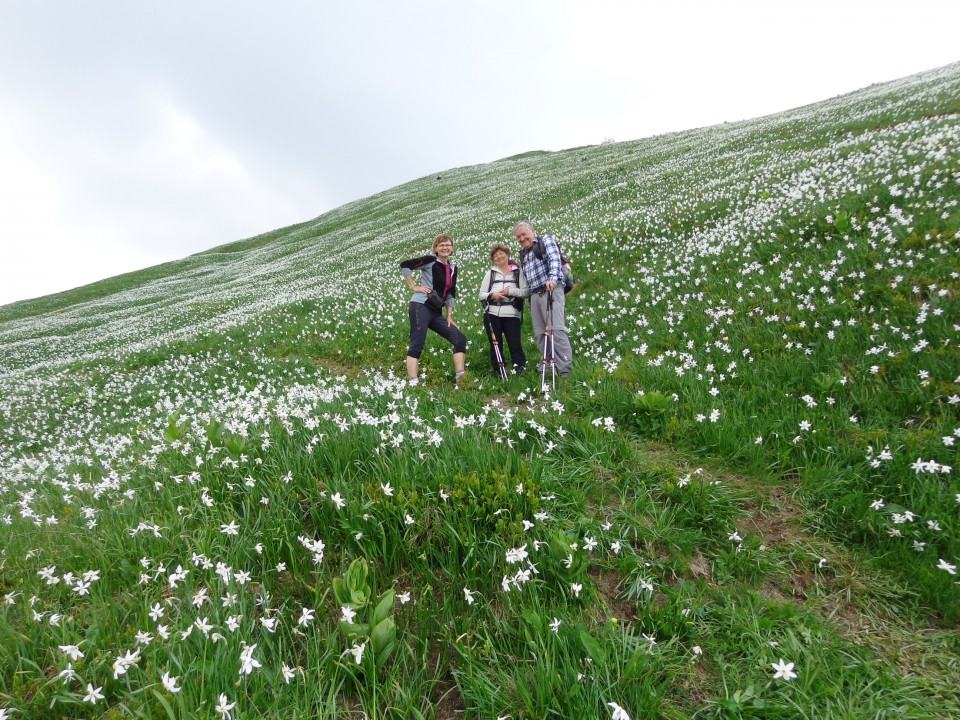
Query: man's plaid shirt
x,y
539,272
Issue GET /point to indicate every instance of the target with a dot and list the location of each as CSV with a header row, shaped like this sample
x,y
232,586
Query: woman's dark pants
x,y
508,327
422,319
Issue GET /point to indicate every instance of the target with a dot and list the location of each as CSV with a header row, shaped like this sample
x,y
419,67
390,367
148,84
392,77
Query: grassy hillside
x,y
218,497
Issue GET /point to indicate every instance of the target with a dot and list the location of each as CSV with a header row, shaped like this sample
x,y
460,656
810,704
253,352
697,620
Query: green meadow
x,y
219,497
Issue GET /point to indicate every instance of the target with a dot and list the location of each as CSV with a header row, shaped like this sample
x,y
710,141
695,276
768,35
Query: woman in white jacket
x,y
502,292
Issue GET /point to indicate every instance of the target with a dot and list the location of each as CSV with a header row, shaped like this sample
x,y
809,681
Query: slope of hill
x,y
753,463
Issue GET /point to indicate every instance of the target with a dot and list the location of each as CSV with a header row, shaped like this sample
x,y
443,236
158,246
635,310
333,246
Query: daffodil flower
x,y
783,670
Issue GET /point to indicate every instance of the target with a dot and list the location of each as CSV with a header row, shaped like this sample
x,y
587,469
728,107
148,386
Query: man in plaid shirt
x,y
545,279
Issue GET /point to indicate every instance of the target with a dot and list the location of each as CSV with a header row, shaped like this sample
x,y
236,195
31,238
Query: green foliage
x,y
565,562
651,412
353,589
495,501
174,431
191,457
378,635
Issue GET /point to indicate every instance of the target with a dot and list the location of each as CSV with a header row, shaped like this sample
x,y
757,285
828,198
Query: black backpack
x,y
537,250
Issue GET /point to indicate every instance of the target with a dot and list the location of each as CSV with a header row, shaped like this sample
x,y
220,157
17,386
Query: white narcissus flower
x,y
122,664
248,663
93,694
783,670
515,555
618,712
72,651
944,565
170,683
357,651
224,706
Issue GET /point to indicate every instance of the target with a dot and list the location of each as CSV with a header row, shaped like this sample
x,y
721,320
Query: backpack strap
x,y
517,301
515,277
490,284
537,248
486,302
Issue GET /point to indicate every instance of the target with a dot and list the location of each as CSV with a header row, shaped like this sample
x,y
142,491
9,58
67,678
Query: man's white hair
x,y
523,225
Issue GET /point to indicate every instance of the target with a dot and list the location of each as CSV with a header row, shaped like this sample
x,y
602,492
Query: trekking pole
x,y
548,349
497,355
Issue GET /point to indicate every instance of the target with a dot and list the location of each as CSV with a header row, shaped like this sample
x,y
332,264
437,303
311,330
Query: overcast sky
x,y
136,132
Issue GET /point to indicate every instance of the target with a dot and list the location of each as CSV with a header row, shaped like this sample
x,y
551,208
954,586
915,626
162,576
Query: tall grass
x,y
752,465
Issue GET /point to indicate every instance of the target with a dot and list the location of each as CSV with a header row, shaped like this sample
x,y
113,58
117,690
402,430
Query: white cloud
x,y
42,254
97,206
137,133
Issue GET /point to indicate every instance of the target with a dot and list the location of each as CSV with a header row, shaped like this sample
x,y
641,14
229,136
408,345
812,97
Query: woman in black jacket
x,y
439,275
